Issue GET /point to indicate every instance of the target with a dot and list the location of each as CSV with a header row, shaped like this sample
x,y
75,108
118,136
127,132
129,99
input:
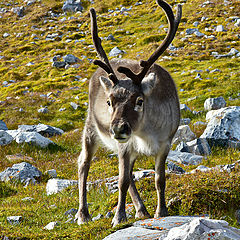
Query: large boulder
x,y
22,172
223,127
214,103
5,138
202,229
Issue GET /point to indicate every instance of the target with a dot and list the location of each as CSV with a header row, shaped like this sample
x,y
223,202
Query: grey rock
x,y
184,133
199,146
201,168
237,24
109,214
14,220
33,138
57,185
43,110
185,121
174,168
44,130
59,64
20,172
74,105
190,31
220,28
184,158
223,126
142,174
233,52
3,125
72,6
182,147
21,11
5,35
56,58
98,217
71,212
51,173
115,52
214,103
110,37
202,228
27,199
70,59
184,107
51,225
5,138
195,24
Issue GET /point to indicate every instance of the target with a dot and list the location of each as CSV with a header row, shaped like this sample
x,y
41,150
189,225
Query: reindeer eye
x,y
139,102
108,103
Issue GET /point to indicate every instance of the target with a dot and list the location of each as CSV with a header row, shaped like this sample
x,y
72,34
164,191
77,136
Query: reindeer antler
x,y
173,25
104,62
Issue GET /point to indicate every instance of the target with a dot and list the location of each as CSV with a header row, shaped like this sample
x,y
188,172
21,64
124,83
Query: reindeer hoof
x,y
162,213
82,218
142,214
119,218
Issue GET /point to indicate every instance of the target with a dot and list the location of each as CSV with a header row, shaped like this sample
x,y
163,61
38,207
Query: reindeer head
x,y
126,97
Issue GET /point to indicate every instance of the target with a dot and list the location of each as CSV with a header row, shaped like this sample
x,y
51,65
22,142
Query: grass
x,y
214,193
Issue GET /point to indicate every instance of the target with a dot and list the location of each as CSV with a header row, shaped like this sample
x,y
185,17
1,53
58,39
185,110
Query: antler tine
x,y
173,25
104,62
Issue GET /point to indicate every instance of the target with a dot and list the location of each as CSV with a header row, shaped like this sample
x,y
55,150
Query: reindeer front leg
x,y
123,184
88,149
160,180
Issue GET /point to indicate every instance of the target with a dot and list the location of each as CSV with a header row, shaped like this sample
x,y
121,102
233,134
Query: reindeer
x,y
133,110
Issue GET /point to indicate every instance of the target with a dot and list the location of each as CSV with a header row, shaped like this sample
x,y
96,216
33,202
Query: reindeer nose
x,y
121,130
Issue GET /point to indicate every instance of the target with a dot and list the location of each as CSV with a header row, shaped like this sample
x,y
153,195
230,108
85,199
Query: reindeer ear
x,y
106,83
148,84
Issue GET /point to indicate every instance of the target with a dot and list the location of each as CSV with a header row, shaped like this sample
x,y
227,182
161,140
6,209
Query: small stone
x,y
115,52
220,28
55,185
98,217
71,212
26,199
74,105
43,110
51,225
109,214
51,173
14,220
195,24
184,107
3,125
5,35
174,168
5,138
110,37
59,64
